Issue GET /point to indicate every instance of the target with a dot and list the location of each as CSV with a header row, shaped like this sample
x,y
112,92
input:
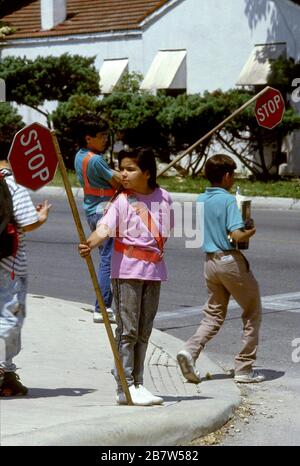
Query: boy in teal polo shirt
x,y
227,273
99,183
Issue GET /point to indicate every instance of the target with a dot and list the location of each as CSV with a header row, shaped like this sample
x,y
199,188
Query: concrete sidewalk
x,y
66,362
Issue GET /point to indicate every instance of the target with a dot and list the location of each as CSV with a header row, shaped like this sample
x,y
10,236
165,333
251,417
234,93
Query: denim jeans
x,y
12,314
136,306
105,252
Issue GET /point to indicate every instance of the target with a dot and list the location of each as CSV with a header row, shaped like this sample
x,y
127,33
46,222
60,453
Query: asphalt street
x,y
274,254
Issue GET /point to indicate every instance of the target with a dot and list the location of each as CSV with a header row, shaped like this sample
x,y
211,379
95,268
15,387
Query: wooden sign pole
x,y
91,268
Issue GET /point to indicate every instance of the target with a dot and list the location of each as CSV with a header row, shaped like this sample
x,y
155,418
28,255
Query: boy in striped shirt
x,y
13,282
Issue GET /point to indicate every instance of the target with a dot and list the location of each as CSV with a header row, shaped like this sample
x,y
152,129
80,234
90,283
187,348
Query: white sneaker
x,y
98,319
156,400
250,377
137,396
187,366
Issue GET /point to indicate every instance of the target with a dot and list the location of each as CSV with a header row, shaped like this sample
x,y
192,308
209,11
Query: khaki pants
x,y
227,274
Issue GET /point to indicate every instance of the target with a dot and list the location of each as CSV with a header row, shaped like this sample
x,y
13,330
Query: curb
x,y
143,429
258,202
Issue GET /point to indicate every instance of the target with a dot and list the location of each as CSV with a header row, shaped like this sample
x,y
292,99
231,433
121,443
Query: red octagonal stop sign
x,y
269,108
33,157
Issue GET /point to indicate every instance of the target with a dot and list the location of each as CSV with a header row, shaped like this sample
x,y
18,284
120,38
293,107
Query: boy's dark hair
x,y
216,167
145,160
4,150
88,125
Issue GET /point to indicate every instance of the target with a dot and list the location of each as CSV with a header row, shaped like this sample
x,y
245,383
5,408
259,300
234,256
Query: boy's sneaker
x,y
98,319
12,386
187,366
137,396
250,377
156,400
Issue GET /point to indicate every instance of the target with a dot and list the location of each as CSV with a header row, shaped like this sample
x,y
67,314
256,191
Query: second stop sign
x,y
269,108
33,156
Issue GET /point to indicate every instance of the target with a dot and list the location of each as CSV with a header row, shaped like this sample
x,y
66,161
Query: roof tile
x,y
83,16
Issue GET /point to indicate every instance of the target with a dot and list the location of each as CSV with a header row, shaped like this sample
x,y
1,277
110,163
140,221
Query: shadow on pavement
x,y
216,377
184,398
271,374
50,392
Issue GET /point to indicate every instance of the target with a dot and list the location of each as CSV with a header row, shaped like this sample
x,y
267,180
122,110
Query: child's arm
x,y
116,179
43,212
94,240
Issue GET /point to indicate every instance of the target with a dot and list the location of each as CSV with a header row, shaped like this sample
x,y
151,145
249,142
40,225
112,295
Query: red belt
x,y
137,253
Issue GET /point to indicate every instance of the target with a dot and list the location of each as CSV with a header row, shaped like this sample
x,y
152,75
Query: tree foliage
x,y
168,124
32,82
283,74
130,82
171,125
244,137
65,119
10,123
188,118
133,118
132,114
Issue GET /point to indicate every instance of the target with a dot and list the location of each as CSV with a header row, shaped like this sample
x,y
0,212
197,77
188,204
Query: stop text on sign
x,y
35,157
269,108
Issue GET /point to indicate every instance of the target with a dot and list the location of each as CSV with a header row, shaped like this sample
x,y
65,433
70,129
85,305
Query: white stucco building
x,y
191,45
